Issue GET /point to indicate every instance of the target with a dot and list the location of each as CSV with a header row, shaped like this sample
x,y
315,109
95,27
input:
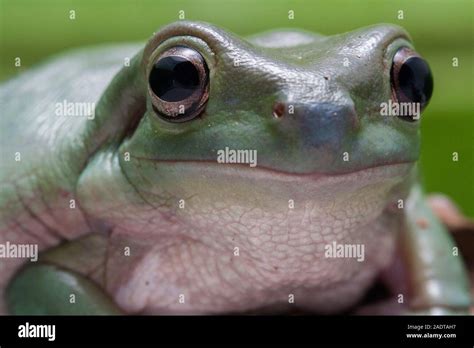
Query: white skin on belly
x,y
189,263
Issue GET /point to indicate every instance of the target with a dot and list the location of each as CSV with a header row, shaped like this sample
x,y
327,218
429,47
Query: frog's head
x,y
306,111
306,104
306,108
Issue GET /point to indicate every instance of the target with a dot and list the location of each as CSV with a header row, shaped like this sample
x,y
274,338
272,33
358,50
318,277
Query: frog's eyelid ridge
x,y
213,36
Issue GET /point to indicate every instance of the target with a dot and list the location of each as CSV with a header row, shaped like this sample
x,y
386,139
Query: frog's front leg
x,y
60,284
437,279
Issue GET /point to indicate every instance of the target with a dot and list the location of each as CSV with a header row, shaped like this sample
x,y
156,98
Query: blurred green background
x,y
441,30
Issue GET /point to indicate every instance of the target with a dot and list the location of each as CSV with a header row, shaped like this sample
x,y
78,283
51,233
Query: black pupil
x,y
415,80
174,78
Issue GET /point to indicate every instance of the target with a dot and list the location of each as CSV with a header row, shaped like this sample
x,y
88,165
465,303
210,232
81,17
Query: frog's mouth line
x,y
212,178
244,170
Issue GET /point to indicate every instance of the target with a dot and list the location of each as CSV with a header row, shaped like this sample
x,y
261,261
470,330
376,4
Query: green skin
x,y
127,245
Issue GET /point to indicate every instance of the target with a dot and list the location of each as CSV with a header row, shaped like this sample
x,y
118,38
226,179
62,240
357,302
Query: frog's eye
x,y
411,79
178,83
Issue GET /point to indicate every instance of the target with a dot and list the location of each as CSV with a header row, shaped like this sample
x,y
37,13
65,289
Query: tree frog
x,y
127,167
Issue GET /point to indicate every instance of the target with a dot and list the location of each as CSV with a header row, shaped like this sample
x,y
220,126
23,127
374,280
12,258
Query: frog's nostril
x,y
278,109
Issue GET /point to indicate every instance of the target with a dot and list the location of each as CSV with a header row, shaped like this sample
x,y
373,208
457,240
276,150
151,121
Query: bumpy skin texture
x,y
136,204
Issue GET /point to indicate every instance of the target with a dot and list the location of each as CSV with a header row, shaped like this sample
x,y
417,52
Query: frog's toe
x,y
449,213
44,289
